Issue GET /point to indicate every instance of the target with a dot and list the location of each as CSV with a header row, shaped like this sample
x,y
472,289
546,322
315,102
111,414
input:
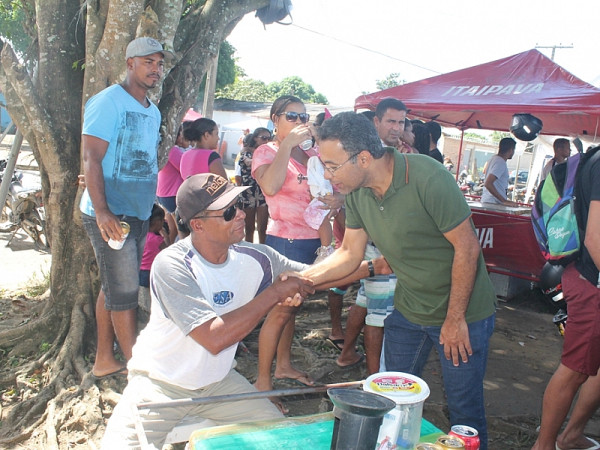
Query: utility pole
x,y
553,47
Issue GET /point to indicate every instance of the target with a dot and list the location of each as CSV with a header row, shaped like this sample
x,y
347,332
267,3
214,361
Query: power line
x,y
553,47
365,49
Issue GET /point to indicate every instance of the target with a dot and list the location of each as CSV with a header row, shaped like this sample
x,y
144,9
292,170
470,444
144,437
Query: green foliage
x,y
13,24
227,68
392,80
498,135
247,90
251,90
475,136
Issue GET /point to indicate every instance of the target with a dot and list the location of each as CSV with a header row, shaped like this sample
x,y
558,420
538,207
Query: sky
x,y
342,47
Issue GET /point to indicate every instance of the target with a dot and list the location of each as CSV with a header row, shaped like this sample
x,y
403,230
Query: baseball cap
x,y
144,46
205,192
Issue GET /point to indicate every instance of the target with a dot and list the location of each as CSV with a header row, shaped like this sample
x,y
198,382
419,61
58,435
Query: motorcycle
x,y
24,209
468,186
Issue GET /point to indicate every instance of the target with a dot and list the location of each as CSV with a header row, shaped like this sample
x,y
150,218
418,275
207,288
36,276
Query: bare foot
x,y
293,374
279,405
582,442
263,385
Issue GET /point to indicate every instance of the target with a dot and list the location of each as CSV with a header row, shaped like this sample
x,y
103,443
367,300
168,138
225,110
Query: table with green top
x,y
312,432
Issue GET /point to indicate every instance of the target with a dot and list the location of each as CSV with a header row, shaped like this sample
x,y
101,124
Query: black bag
x,y
275,12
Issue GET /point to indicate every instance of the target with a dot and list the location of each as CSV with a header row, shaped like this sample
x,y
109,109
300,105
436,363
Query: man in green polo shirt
x,y
415,214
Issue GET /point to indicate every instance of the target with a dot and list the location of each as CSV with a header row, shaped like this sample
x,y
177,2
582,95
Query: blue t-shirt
x,y
130,164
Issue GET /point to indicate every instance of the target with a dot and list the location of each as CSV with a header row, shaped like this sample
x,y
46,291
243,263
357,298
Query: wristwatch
x,y
371,268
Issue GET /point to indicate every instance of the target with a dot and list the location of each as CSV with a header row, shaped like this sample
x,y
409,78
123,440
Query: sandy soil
x,y
525,350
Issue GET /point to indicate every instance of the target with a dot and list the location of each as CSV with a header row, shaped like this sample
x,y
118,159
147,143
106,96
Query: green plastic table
x,y
312,432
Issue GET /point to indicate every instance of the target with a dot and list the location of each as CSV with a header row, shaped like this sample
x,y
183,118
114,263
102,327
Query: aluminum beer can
x,y
426,446
469,435
450,443
118,245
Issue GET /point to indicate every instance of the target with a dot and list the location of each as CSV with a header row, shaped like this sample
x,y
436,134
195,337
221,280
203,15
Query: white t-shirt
x,y
187,291
497,167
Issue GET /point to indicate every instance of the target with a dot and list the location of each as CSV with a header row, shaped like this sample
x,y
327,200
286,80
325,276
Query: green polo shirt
x,y
407,226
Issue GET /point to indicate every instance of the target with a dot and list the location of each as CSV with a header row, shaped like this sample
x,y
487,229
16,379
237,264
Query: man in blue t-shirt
x,y
120,138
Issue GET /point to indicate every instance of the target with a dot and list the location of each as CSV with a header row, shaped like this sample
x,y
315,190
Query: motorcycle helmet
x,y
550,281
525,127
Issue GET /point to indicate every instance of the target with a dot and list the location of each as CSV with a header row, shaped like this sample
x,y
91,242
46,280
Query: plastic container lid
x,y
401,387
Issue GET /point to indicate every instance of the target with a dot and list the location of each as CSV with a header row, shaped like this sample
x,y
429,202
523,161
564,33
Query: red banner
x,y
508,243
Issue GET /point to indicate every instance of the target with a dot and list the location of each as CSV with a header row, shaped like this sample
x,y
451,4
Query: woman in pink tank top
x,y
202,158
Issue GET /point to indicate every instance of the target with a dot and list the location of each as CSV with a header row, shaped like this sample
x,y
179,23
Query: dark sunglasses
x,y
291,116
228,214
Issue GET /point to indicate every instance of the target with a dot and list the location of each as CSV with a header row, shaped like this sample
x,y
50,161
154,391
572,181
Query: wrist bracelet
x,y
371,268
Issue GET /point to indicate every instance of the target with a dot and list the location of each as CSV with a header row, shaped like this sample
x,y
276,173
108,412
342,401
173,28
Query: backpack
x,y
554,216
276,11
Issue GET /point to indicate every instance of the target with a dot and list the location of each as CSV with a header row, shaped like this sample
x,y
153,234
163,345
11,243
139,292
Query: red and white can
x,y
469,435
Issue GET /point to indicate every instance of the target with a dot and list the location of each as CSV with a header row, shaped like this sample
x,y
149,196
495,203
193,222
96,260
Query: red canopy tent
x,y
487,96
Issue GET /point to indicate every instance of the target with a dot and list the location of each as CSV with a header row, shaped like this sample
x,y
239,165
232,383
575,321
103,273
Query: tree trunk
x,y
80,51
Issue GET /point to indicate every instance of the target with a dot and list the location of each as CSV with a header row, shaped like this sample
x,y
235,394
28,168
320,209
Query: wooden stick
x,y
247,395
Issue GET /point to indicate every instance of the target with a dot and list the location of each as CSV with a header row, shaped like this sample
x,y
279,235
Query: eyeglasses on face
x,y
264,138
292,116
333,170
228,215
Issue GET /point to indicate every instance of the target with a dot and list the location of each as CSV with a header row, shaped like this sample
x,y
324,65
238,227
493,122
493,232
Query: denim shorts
x,y
168,203
301,250
119,269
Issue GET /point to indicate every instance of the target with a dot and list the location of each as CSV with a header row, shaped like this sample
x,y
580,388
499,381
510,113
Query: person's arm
x,y
217,168
270,177
221,332
489,185
380,267
592,232
94,150
454,335
343,262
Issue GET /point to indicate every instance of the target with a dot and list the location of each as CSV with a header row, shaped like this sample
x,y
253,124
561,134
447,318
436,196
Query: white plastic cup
x,y
118,245
402,425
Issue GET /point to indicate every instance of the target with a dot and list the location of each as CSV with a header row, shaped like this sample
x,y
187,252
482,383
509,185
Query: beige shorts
x,y
157,423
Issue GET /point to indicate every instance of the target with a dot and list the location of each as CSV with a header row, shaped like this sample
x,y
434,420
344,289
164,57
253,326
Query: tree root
x,y
10,337
62,408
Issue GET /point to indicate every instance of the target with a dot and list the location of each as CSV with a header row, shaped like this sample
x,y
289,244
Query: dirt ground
x,y
525,350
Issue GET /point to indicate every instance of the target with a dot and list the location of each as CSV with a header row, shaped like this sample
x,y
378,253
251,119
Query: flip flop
x,y
120,371
354,364
298,380
335,343
595,445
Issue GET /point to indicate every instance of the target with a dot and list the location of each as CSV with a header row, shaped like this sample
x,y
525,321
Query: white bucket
x,y
401,427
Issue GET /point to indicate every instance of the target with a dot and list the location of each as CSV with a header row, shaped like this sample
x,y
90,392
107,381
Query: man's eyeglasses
x,y
228,214
264,138
333,170
291,116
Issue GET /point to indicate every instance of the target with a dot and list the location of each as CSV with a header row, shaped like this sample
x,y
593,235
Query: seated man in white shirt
x,y
209,291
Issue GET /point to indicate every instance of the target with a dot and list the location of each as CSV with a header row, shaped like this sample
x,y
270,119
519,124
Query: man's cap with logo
x,y
205,192
144,46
